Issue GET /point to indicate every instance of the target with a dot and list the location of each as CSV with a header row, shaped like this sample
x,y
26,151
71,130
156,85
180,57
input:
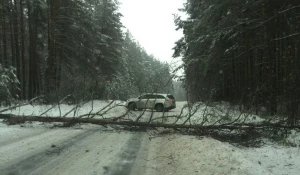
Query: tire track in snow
x,y
33,162
16,135
127,158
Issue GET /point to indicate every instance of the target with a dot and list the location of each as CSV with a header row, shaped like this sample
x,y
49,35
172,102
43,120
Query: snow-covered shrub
x,y
8,84
79,86
121,88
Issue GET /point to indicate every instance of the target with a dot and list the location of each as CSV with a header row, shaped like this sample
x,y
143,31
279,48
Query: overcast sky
x,y
152,25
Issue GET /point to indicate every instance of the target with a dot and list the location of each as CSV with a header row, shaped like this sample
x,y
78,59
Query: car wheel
x,y
132,106
159,107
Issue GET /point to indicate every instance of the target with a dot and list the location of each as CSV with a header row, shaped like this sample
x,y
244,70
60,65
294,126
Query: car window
x,y
145,97
171,97
160,97
151,96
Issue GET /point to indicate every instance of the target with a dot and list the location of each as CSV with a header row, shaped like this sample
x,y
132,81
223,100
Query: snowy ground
x,y
115,108
208,156
35,148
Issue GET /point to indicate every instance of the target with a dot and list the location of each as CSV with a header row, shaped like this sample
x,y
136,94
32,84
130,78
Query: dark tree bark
x,y
12,60
16,38
33,62
51,70
1,36
17,44
4,33
22,61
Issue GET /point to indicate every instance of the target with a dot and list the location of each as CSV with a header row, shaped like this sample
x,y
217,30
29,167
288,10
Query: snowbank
x,y
201,113
115,109
175,154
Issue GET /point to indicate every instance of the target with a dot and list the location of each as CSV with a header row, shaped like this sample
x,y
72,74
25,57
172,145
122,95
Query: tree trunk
x,y
12,119
1,35
51,70
4,39
33,66
12,61
22,61
16,32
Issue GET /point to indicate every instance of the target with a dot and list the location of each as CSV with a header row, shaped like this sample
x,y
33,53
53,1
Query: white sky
x,y
152,24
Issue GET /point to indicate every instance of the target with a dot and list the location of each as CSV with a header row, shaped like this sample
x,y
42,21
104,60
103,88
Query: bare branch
x,y
24,104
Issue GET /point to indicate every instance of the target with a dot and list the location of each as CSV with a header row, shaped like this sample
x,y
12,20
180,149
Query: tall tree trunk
x,y
1,35
11,25
16,32
22,61
51,69
4,39
33,70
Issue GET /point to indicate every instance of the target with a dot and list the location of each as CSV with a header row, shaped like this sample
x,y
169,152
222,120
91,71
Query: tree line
x,y
61,47
244,52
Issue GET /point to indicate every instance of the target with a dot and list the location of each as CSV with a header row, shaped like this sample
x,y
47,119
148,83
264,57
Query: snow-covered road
x,y
91,150
98,150
37,148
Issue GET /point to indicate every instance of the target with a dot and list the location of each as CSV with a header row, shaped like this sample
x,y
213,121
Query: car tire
x,y
132,106
159,108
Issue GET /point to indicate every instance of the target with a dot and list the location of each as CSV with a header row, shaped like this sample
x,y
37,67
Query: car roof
x,y
163,94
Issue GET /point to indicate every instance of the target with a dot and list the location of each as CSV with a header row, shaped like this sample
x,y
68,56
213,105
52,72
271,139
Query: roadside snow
x,y
220,113
275,159
114,109
190,155
175,154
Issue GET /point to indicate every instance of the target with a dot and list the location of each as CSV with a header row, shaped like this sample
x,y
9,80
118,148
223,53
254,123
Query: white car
x,y
159,102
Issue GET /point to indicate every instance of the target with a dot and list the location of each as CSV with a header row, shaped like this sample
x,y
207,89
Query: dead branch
x,y
93,115
55,149
75,108
178,117
58,104
140,116
122,116
164,118
110,108
24,104
191,114
101,114
92,105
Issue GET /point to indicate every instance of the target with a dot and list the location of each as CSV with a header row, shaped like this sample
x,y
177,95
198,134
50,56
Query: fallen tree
x,y
13,119
217,121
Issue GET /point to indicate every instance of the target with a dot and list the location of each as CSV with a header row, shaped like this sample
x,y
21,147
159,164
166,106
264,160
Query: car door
x,y
151,101
141,104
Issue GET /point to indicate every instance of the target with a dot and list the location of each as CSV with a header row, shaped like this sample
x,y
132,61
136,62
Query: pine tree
x,y
240,51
